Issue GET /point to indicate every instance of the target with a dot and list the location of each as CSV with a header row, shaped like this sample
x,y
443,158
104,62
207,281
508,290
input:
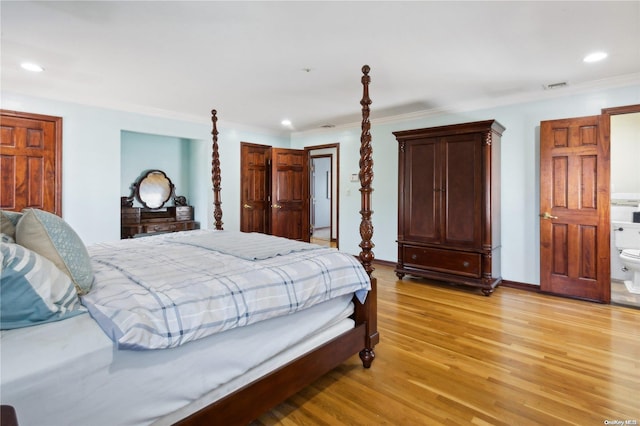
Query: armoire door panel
x,y
422,194
462,174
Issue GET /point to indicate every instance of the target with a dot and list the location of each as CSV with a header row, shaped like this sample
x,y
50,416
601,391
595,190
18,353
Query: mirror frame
x,y
139,183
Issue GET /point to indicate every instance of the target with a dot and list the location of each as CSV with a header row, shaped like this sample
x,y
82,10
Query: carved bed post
x,y
366,227
215,173
366,177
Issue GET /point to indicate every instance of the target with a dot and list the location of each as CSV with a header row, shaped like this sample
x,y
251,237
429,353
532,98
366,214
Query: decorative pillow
x,y
50,236
8,222
33,290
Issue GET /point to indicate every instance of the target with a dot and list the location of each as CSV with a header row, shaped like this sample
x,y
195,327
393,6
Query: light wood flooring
x,y
322,237
620,295
449,355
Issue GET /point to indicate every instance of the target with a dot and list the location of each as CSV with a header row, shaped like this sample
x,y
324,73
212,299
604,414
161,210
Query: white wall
x,y
91,166
625,155
520,172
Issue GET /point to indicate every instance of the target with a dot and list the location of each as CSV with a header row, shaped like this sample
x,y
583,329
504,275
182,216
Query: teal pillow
x,y
33,290
50,236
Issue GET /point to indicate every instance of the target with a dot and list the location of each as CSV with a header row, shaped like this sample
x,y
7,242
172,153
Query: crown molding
x,y
484,103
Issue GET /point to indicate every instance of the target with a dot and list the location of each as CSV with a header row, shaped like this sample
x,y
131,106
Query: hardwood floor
x,y
621,296
449,355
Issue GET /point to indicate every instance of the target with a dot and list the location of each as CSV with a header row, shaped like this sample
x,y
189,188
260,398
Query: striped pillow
x,y
50,236
33,290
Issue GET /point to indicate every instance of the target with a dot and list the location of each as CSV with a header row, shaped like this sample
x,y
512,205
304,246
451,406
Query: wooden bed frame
x,y
249,402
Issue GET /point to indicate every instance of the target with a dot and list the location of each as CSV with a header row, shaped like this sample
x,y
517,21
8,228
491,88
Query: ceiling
x,y
258,63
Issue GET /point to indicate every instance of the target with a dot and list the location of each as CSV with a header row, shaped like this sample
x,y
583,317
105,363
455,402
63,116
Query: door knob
x,y
247,206
276,206
546,215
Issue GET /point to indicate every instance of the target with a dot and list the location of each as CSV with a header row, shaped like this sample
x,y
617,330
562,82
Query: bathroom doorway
x,y
625,192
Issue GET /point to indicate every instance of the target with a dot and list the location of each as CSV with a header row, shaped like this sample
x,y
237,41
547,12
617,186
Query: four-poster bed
x,y
226,378
287,380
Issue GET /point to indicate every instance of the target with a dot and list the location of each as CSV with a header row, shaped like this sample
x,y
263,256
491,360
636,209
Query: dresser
x,y
449,204
153,190
138,221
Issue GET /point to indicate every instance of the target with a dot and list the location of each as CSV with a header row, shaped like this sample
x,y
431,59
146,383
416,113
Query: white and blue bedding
x,y
163,291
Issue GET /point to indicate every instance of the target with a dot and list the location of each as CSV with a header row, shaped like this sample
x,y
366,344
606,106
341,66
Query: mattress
x,y
69,372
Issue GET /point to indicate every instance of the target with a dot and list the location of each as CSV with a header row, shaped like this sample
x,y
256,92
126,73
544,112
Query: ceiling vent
x,y
553,86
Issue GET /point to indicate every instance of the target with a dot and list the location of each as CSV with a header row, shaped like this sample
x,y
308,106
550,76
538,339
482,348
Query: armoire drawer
x,y
457,262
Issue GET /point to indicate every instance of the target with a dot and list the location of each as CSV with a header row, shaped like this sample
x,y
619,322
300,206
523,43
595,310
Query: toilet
x,y
627,241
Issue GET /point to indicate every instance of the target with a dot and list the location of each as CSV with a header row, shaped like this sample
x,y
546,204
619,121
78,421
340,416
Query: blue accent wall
x,y
143,151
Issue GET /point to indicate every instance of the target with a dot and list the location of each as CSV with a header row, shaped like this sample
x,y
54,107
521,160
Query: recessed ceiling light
x,y
30,66
595,57
286,123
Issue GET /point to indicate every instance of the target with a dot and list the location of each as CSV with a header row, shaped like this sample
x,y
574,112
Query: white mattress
x,y
68,372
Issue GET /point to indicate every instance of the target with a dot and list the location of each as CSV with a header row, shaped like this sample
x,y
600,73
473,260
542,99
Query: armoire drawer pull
x,y
414,256
465,264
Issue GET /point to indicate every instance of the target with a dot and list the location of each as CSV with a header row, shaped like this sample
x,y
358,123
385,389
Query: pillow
x,y
8,222
33,290
50,236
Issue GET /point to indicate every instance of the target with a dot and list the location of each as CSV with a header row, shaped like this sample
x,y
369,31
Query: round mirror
x,y
154,189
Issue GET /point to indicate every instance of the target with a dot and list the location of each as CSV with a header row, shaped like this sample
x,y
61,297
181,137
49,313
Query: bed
x,y
95,365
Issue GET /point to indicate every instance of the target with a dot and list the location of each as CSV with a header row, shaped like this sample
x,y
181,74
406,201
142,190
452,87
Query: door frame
x,y
56,181
605,212
315,191
605,121
320,150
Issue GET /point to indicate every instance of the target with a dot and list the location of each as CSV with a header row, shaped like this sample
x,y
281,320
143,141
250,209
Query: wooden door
x,y
574,203
289,194
31,161
420,190
254,188
462,190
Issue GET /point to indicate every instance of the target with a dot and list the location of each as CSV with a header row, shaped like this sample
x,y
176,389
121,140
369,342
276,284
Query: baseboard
x,y
504,283
520,286
384,263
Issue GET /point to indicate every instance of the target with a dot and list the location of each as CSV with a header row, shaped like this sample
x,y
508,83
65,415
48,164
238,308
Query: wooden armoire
x,y
449,204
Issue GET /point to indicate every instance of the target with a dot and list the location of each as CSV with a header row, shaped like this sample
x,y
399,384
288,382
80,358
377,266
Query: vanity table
x,y
161,211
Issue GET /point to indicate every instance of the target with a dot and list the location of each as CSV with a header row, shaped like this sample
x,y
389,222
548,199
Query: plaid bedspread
x,y
163,291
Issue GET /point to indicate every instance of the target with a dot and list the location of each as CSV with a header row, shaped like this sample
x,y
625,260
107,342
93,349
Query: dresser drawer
x,y
129,215
457,262
164,227
184,213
